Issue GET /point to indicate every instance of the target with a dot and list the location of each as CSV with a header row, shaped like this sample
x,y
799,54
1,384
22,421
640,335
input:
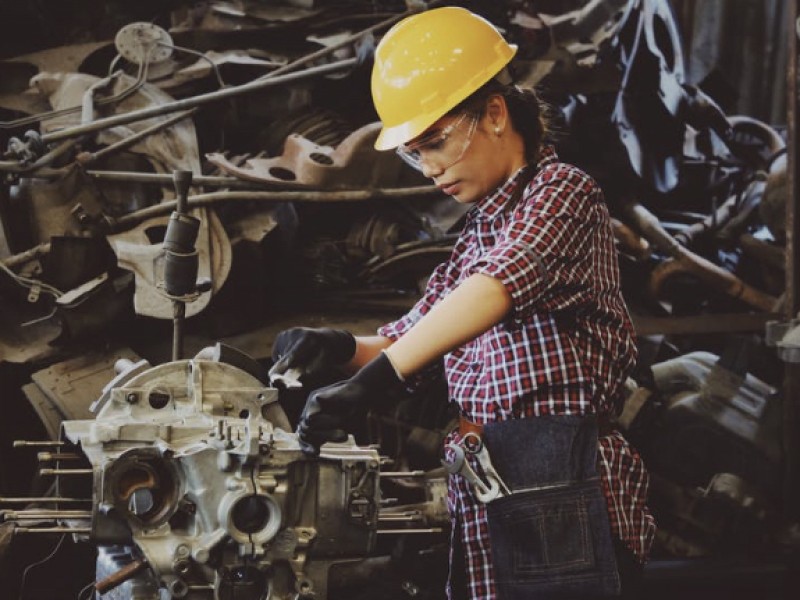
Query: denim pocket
x,y
552,542
551,537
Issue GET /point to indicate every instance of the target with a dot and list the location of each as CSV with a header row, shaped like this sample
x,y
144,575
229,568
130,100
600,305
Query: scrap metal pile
x,y
196,480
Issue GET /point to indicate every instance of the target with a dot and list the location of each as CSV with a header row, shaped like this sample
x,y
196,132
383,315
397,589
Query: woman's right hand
x,y
309,351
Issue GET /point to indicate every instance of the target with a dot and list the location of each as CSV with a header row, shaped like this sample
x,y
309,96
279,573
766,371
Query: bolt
x,y
132,398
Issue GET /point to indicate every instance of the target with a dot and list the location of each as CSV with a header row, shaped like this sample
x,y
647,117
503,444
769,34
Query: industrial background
x,y
117,451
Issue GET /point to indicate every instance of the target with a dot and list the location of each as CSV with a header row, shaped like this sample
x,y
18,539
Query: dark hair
x,y
528,113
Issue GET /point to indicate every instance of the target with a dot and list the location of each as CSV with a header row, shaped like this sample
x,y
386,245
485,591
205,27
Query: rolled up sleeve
x,y
540,256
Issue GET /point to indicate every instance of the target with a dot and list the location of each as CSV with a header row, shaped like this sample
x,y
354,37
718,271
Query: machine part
x,y
194,474
140,250
60,391
583,32
140,42
647,110
352,164
684,260
710,419
786,338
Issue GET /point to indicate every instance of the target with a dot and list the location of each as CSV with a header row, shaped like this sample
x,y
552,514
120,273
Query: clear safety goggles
x,y
442,147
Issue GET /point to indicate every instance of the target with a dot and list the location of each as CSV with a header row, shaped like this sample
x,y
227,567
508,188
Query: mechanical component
x,y
196,475
142,42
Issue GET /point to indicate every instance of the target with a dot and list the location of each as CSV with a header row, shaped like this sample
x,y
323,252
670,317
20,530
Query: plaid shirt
x,y
565,349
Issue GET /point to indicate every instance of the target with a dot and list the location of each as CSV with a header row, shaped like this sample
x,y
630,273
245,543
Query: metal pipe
x,y
65,471
402,474
186,103
76,530
199,200
130,570
52,457
90,157
39,514
43,499
791,308
37,443
163,179
685,261
405,531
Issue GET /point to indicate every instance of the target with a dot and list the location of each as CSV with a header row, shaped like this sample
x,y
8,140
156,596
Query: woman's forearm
x,y
477,304
367,348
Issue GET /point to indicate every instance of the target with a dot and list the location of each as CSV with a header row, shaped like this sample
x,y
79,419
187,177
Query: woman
x,y
527,314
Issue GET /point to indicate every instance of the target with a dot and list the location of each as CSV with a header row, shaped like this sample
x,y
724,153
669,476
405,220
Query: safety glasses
x,y
441,148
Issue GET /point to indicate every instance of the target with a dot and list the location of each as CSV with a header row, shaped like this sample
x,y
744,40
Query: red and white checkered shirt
x,y
566,348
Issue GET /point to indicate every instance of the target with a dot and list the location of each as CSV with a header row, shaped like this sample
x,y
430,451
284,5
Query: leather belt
x,y
605,426
466,426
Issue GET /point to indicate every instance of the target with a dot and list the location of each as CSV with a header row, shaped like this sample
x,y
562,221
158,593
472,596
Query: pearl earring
x,y
497,130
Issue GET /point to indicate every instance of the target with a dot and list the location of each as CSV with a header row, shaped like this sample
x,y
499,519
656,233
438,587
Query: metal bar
x,y
54,456
90,157
65,471
186,103
416,531
52,530
107,584
37,444
163,179
45,499
792,294
791,380
719,323
17,515
363,195
403,474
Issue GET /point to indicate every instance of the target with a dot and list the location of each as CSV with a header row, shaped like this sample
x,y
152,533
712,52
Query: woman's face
x,y
468,155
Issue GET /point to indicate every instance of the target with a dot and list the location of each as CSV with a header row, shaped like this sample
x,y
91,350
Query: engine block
x,y
200,488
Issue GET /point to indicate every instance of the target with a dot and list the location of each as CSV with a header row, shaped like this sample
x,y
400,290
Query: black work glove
x,y
311,351
329,410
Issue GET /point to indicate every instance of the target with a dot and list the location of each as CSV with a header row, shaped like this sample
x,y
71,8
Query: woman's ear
x,y
497,113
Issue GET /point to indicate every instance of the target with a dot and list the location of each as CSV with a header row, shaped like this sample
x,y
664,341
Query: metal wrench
x,y
460,465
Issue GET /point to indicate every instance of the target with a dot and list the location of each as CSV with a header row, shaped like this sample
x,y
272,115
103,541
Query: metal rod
x,y
65,471
791,377
363,195
186,103
38,443
163,179
402,473
16,515
405,518
91,157
54,456
416,531
45,499
119,577
52,530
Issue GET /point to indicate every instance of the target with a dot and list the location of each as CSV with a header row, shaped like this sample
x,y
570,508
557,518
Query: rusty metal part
x,y
685,261
124,574
630,242
353,163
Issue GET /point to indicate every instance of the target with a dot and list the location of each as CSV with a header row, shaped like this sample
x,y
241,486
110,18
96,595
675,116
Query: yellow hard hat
x,y
427,64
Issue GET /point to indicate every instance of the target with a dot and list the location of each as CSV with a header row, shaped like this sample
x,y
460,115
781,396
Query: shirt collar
x,y
490,205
